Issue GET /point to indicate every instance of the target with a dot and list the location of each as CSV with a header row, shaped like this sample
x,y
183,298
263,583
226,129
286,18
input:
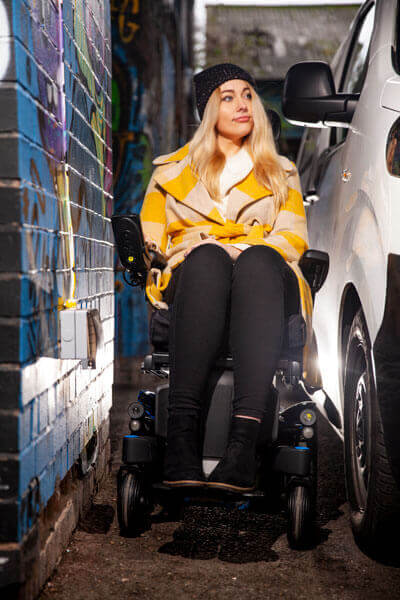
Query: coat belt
x,y
232,230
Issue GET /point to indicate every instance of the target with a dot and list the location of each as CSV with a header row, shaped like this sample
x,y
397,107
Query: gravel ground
x,y
219,551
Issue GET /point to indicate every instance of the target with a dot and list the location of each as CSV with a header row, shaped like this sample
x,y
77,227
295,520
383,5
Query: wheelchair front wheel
x,y
134,503
300,516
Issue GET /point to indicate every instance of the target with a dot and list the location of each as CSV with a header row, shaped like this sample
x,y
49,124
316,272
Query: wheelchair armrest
x,y
315,266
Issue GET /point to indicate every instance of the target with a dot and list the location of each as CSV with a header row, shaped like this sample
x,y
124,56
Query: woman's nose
x,y
241,105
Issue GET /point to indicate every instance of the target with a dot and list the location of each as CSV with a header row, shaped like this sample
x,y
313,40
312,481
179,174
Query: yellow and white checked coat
x,y
178,212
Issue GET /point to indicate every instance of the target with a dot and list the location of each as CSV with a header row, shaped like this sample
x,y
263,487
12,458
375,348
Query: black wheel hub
x,y
360,441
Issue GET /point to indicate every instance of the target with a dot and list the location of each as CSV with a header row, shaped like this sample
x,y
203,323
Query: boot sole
x,y
229,486
185,483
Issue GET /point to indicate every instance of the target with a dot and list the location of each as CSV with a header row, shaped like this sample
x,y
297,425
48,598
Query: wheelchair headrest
x,y
275,121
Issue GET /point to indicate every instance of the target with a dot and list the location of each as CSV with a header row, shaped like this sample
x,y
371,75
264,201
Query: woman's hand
x,y
154,257
231,250
148,242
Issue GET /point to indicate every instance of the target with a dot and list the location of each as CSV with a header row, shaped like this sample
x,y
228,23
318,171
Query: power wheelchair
x,y
287,445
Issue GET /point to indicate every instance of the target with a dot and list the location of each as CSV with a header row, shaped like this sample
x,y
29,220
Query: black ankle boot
x,y
237,469
183,460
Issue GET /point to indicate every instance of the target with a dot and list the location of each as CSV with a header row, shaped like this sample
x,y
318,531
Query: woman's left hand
x,y
231,250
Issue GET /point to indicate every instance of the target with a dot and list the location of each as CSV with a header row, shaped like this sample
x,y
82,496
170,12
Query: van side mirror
x,y
309,97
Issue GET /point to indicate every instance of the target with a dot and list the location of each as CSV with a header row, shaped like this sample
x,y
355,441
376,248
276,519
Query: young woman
x,y
227,212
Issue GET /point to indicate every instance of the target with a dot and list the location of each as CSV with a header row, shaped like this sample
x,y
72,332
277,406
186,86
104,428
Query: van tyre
x,y
372,492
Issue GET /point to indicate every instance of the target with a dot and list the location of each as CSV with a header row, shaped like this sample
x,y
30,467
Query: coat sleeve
x,y
289,233
153,215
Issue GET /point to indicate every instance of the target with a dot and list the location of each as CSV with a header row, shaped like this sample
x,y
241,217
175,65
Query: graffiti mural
x,y
97,81
88,87
131,143
126,13
51,97
147,69
55,235
132,159
43,171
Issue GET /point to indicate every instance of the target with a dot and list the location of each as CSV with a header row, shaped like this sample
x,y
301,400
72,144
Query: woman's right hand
x,y
148,242
157,258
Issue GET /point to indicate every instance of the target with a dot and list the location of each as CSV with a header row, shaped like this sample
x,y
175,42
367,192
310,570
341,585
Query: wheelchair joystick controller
x,y
135,258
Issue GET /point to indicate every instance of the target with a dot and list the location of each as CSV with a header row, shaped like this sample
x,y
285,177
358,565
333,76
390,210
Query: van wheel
x,y
371,489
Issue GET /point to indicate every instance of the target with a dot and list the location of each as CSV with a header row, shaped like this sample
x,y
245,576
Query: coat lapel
x,y
250,190
244,193
179,181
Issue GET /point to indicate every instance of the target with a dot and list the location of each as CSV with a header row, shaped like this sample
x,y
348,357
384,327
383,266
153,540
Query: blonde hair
x,y
207,161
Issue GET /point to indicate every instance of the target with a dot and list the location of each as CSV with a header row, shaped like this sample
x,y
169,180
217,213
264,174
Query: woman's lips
x,y
242,119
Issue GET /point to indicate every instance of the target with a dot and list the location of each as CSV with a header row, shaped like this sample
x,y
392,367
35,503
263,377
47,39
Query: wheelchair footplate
x,y
207,496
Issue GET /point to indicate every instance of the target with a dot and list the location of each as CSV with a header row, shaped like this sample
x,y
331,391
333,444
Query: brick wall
x,y
55,244
152,115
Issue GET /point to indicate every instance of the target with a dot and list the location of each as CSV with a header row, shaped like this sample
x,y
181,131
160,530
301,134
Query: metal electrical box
x,y
81,335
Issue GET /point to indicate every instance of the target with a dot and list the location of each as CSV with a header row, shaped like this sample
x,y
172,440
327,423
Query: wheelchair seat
x,y
219,392
289,365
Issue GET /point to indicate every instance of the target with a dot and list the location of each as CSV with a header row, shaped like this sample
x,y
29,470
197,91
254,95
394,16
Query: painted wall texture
x,y
56,244
152,115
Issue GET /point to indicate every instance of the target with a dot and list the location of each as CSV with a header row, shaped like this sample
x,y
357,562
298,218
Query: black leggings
x,y
219,304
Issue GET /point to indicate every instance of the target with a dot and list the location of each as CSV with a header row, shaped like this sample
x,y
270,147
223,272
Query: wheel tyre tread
x,y
136,521
300,517
371,529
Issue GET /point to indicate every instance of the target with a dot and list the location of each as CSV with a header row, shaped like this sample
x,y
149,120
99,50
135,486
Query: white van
x,y
349,163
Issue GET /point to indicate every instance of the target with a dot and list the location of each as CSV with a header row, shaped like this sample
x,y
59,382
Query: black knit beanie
x,y
208,80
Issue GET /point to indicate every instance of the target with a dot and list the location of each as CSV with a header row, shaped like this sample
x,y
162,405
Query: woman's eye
x,y
248,95
227,97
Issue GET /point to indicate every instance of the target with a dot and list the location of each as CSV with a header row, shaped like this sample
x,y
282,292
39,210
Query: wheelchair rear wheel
x,y
134,503
300,516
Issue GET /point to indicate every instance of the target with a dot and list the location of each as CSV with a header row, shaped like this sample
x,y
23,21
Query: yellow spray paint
x,y
67,300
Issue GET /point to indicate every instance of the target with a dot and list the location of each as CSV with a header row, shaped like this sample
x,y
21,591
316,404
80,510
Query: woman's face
x,y
235,118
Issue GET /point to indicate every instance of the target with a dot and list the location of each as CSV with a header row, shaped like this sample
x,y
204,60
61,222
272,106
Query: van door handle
x,y
311,198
